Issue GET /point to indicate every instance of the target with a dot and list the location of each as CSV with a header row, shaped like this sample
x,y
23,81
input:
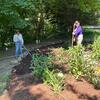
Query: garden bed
x,y
24,86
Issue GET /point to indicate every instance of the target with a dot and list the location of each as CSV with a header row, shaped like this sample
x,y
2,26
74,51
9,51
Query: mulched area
x,y
23,86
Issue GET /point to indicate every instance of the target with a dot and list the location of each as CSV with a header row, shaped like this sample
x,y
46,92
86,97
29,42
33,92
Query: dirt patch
x,y
29,88
82,89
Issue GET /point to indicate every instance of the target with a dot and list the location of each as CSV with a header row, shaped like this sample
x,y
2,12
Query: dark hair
x,y
17,30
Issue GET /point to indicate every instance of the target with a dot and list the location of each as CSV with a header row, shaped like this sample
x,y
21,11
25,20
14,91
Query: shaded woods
x,y
44,19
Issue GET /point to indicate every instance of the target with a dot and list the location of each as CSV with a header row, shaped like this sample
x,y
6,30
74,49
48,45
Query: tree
x,y
44,18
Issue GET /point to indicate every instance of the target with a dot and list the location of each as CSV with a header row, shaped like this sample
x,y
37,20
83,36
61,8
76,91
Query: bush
x,y
96,81
76,61
89,69
82,65
42,66
39,63
96,48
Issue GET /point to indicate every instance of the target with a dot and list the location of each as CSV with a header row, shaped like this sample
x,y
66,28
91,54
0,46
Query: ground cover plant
x,y
39,63
42,68
96,48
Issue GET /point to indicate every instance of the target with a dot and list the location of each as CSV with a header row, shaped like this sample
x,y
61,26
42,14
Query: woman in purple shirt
x,y
78,32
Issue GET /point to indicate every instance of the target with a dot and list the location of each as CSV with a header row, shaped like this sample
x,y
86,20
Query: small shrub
x,y
96,48
42,66
76,61
89,69
79,64
39,63
3,82
96,81
55,80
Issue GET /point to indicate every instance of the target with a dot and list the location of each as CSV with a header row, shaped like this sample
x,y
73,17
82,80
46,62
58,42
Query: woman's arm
x,y
15,38
74,26
78,30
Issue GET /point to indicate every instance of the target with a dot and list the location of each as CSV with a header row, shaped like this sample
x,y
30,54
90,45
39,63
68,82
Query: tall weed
x,y
76,60
96,48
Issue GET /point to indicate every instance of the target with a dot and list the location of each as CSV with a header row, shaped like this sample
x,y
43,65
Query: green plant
x,y
55,80
96,48
96,81
97,71
39,63
41,67
89,71
76,60
3,81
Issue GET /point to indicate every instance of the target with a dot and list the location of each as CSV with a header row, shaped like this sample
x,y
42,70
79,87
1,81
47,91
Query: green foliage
x,y
46,18
55,80
96,48
76,60
89,35
3,81
82,64
96,81
2,86
11,17
89,71
39,63
42,66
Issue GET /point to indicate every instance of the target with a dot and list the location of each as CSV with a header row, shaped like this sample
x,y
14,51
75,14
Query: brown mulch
x,y
23,86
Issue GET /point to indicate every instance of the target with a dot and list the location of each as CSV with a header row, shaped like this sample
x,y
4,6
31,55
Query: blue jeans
x,y
18,51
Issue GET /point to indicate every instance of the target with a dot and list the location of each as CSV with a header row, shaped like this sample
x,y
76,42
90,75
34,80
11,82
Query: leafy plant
x,y
39,63
89,71
3,81
41,67
55,80
96,81
76,60
96,48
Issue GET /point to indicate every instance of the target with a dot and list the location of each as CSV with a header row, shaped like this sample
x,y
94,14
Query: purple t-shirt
x,y
78,31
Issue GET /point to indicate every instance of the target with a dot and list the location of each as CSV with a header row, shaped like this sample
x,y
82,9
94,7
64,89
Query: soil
x,y
23,86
